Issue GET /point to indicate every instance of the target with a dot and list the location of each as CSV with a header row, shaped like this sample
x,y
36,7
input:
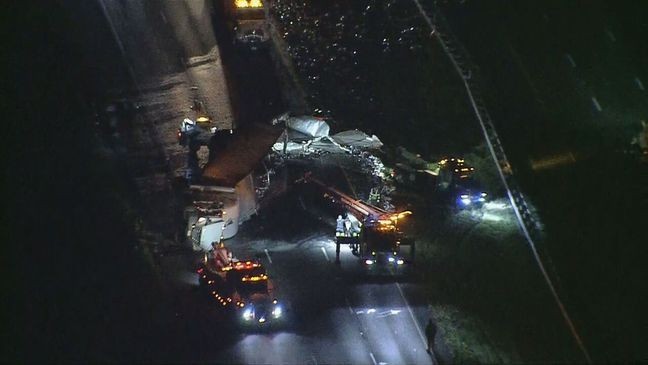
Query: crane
x,y
371,232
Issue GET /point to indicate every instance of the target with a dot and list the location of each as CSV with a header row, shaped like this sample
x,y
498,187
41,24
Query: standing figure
x,y
430,333
339,226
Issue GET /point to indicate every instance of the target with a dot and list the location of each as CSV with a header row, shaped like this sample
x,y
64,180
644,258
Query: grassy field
x,y
593,208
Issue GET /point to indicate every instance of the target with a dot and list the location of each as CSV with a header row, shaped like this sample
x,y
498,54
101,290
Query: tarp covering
x,y
246,148
308,125
356,138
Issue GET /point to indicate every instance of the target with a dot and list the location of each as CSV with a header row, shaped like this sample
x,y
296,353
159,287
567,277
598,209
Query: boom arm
x,y
357,207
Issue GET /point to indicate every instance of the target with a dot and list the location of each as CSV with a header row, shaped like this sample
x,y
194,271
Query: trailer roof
x,y
241,154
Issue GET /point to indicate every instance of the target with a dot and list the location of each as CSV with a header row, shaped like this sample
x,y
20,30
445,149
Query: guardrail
x,y
528,220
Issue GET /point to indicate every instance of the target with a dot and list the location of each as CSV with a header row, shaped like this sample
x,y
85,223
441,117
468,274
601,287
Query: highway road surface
x,y
335,314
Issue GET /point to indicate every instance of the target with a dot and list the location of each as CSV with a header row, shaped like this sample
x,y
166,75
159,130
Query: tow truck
x,y
241,287
250,25
372,233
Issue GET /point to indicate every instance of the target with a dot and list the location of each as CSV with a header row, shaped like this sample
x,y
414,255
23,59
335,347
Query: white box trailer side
x,y
205,227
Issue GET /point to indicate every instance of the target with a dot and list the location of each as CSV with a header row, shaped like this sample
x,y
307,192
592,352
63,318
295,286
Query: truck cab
x,y
254,295
249,23
244,288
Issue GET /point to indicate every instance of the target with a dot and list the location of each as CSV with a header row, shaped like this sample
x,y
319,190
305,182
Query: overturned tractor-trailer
x,y
225,194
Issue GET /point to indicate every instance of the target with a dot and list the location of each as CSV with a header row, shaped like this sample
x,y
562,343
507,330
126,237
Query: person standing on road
x,y
339,226
430,333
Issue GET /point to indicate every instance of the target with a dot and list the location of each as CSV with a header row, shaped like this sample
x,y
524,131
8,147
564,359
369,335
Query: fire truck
x,y
372,233
241,287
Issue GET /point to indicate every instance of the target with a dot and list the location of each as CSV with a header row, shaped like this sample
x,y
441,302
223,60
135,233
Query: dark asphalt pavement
x,y
335,314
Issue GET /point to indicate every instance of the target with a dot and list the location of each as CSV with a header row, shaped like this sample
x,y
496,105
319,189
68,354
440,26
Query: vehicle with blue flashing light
x,y
470,194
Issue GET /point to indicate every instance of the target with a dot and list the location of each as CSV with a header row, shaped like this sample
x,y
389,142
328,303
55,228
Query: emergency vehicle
x,y
242,287
372,233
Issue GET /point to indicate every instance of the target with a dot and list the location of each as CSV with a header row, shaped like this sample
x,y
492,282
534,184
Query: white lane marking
x,y
639,84
164,19
570,59
268,255
325,254
409,309
596,103
373,358
610,35
314,359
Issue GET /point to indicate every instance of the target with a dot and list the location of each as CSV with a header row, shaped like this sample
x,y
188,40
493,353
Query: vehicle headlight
x,y
277,311
369,261
400,261
391,259
248,313
465,201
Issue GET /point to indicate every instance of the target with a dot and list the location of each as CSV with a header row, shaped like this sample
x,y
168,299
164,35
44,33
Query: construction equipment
x,y
456,178
452,171
372,233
